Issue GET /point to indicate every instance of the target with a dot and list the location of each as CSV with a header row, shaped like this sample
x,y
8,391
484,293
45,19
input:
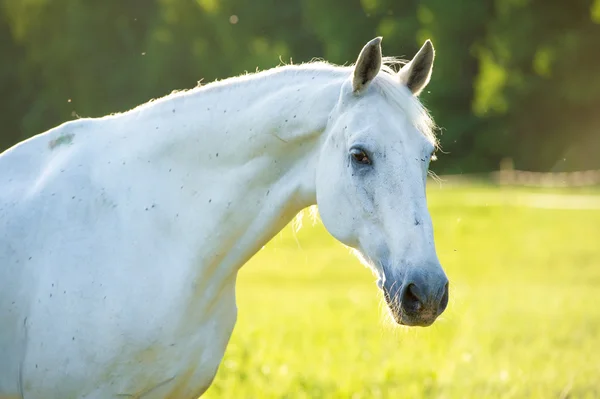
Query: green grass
x,y
523,319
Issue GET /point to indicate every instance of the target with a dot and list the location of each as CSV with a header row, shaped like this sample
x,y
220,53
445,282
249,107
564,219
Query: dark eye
x,y
360,156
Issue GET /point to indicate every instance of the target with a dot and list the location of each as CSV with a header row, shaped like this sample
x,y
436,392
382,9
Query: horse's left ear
x,y
416,74
367,66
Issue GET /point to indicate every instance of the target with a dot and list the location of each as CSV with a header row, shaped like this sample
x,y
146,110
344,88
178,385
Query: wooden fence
x,y
508,176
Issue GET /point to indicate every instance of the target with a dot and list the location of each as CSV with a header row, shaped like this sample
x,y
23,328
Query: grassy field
x,y
523,319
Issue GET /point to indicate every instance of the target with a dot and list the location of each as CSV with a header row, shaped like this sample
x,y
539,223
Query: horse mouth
x,y
401,318
404,320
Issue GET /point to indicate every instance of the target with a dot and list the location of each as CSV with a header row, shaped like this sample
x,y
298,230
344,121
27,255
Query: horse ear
x,y
416,74
367,66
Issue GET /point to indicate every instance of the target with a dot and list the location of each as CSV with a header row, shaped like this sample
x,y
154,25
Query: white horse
x,y
121,237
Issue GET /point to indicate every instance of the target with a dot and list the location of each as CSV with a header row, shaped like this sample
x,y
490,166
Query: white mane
x,y
386,82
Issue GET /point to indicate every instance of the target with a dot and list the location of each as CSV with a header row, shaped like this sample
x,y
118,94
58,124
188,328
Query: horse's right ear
x,y
367,66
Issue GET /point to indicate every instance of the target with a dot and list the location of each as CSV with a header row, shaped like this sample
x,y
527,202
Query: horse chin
x,y
405,320
415,323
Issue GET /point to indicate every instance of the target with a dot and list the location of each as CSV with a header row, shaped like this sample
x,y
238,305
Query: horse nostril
x,y
411,300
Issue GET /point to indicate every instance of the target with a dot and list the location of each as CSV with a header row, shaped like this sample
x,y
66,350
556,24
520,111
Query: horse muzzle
x,y
419,299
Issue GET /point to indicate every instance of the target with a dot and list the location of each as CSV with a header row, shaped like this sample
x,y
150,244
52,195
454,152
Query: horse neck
x,y
250,147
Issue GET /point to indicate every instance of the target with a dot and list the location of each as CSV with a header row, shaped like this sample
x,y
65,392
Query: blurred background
x,y
516,93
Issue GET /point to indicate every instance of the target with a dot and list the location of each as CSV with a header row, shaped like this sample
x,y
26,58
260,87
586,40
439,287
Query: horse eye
x,y
360,156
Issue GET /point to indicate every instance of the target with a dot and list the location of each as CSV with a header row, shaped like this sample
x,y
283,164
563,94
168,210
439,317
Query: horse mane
x,y
401,97
386,83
